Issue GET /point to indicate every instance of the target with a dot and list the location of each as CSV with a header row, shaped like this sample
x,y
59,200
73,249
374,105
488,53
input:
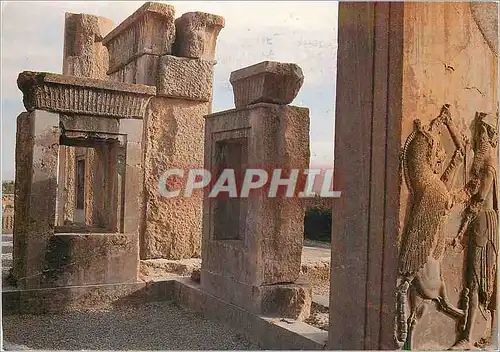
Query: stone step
x,y
7,237
322,300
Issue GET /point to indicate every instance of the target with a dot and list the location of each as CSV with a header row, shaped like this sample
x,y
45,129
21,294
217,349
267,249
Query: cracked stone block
x,y
185,78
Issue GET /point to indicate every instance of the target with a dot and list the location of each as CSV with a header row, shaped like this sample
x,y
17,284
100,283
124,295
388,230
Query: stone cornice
x,y
149,30
163,10
86,96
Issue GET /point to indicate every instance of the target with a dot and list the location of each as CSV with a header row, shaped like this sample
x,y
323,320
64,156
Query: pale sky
x,y
290,31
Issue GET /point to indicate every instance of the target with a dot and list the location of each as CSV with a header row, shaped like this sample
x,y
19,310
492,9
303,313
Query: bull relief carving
x,y
423,242
480,225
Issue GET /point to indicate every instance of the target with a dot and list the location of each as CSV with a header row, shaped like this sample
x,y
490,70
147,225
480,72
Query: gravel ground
x,y
154,326
319,317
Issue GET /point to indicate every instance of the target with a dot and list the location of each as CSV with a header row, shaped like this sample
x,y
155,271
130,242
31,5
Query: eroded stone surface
x,y
486,16
84,54
174,139
425,56
196,35
266,82
85,96
149,30
185,78
288,301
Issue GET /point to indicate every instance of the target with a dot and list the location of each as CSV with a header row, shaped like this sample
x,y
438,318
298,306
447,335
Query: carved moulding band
x,y
85,96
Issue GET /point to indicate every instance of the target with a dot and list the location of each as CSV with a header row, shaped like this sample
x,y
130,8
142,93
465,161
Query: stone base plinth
x,y
71,298
158,268
284,300
74,259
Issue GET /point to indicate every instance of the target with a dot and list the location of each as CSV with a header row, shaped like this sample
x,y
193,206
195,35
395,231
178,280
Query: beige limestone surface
x,y
149,30
185,78
173,139
196,35
266,82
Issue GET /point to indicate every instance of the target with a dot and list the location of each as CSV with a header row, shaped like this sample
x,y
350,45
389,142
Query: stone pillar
x,y
174,139
398,62
37,146
84,55
252,246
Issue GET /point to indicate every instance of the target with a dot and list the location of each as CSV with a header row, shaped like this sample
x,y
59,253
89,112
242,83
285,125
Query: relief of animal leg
x,y
445,304
417,310
401,321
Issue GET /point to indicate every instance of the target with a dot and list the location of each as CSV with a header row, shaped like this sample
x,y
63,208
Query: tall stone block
x,y
173,140
84,53
413,81
37,150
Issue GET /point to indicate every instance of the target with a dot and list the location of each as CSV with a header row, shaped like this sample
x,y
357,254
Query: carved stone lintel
x,y
68,94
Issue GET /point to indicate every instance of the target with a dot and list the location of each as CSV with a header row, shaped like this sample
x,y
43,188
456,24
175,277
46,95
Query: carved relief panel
x,y
449,238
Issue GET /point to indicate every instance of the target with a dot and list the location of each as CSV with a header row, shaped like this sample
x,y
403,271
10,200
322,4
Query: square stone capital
x,y
196,35
266,82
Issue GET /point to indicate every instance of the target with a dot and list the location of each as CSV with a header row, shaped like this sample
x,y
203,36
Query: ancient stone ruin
x,y
133,101
130,103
